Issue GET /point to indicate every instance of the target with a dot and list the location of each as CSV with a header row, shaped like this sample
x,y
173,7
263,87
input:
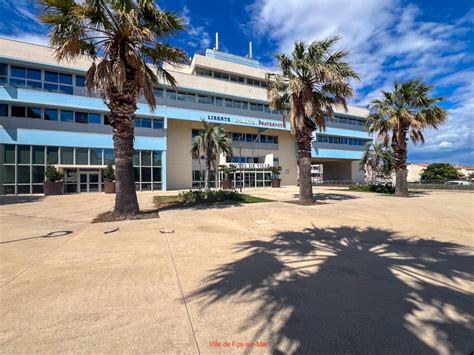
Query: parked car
x,y
457,183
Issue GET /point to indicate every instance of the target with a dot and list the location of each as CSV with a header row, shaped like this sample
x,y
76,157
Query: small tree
x,y
378,159
109,173
52,174
276,171
440,171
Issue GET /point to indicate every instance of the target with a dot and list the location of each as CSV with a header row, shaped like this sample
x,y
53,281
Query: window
x,y
209,100
34,74
3,73
203,72
81,117
3,110
65,78
158,93
94,118
23,154
146,158
170,95
18,72
95,156
18,111
158,124
51,77
38,155
229,103
194,133
9,154
82,156
109,156
52,155
67,155
80,81
50,114
219,101
156,160
145,122
183,96
66,116
33,112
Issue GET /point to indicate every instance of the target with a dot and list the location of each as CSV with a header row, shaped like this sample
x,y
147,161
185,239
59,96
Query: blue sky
x,y
389,40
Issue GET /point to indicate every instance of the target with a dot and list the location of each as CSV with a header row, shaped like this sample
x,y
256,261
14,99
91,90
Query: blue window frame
x,y
67,116
50,114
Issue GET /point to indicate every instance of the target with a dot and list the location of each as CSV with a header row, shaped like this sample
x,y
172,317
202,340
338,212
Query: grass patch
x,y
193,198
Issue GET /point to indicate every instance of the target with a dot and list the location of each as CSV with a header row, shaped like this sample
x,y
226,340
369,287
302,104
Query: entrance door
x,y
89,181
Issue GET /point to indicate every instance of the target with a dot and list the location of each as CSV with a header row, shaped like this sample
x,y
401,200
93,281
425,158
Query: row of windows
x,y
26,77
51,114
347,120
243,160
341,140
230,77
246,137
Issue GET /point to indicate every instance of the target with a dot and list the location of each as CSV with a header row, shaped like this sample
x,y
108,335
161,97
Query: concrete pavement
x,y
360,272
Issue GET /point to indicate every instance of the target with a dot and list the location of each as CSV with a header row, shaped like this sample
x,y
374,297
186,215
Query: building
x,y
46,116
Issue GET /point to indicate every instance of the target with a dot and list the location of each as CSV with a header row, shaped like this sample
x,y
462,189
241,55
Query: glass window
x,y
66,89
263,139
23,189
50,87
106,120
9,154
8,174
38,155
18,111
157,158
158,124
65,78
34,74
3,110
66,116
146,122
146,158
170,95
194,133
94,118
82,156
51,77
34,84
50,114
229,103
38,174
136,173
81,117
109,156
80,81
38,189
146,174
209,100
156,174
23,174
136,158
52,155
23,154
3,69
95,156
33,112
158,93
219,101
18,72
203,72
138,122
67,155
275,139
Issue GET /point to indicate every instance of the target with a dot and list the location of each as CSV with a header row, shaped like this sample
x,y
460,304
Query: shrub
x,y
52,174
200,196
440,171
380,188
109,173
276,171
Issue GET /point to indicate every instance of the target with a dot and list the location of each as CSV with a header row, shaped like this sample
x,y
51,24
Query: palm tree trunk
x,y
401,173
303,141
207,176
122,114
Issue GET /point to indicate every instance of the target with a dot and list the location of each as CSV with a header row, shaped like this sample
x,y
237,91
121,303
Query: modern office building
x,y
46,116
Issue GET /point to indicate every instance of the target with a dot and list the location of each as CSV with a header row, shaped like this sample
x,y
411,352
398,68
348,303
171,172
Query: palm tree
x,y
378,160
406,111
312,81
121,37
210,142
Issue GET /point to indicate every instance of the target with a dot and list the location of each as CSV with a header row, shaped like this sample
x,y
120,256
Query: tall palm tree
x,y
121,37
378,160
312,82
402,114
210,142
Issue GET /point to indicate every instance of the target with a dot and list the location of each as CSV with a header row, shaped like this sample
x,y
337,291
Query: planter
x,y
226,184
53,188
109,187
276,182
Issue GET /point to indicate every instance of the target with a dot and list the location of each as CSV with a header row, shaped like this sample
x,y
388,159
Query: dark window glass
x,y
66,116
94,118
146,158
23,189
80,81
96,156
50,76
136,158
52,155
81,117
66,89
219,101
38,174
50,114
18,72
194,133
158,124
146,174
23,154
146,122
33,112
136,173
249,137
34,74
65,78
275,139
38,155
17,82
156,174
50,87
3,80
82,156
18,111
229,103
106,120
263,139
158,93
156,158
3,69
3,110
8,174
109,156
67,155
23,174
38,189
9,154
34,84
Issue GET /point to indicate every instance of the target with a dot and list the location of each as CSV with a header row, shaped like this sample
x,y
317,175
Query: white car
x,y
457,183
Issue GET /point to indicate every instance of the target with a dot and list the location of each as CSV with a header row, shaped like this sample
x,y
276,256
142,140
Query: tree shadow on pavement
x,y
346,290
9,200
322,196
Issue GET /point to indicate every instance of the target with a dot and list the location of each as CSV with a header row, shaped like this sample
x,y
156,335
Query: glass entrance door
x,y
89,181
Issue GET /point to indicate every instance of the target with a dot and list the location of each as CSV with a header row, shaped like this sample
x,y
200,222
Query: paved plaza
x,y
355,273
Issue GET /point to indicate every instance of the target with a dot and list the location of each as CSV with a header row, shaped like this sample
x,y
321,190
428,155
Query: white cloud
x,y
28,38
196,36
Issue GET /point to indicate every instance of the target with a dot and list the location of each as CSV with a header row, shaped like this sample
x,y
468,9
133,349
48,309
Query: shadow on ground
x,y
9,200
318,196
346,290
54,234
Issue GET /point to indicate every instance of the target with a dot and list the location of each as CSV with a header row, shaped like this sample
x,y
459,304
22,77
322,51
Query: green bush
x,y
380,188
52,174
200,196
109,173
